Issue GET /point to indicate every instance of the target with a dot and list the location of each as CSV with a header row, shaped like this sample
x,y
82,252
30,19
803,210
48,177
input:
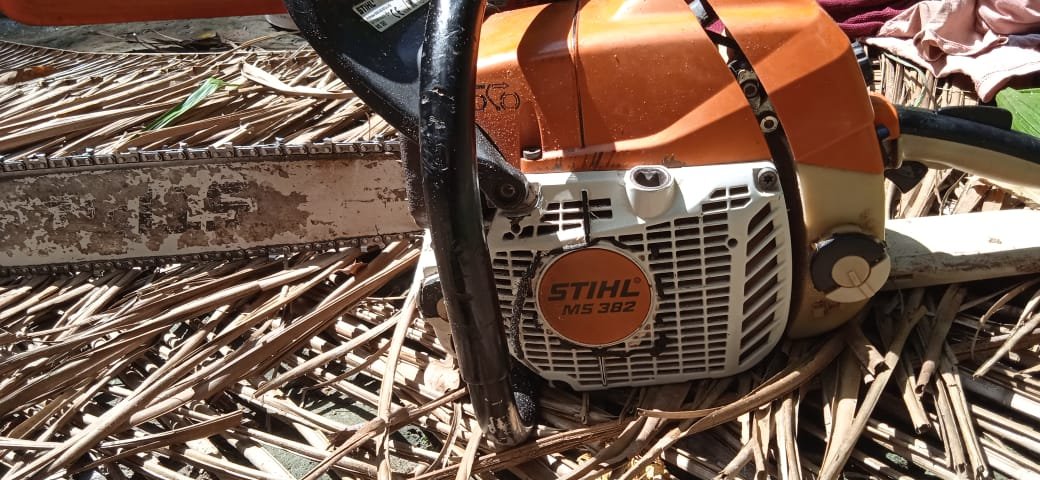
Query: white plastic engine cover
x,y
718,261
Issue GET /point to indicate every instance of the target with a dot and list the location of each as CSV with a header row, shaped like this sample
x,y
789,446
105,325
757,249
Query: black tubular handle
x,y
382,68
448,156
939,126
991,151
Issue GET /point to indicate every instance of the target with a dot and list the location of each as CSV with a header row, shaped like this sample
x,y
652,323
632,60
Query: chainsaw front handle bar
x,y
1008,158
447,149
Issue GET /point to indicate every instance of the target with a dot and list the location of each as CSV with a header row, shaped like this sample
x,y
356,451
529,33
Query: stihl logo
x,y
595,290
594,296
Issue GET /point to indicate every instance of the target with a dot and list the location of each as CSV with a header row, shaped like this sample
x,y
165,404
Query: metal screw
x,y
767,180
769,123
507,191
750,89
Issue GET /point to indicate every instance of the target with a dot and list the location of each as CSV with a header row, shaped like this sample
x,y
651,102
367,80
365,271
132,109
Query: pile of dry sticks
x,y
230,370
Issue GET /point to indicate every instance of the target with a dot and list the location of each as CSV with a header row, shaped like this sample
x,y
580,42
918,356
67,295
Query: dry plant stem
x,y
831,470
1027,324
865,351
465,469
944,315
690,463
635,436
39,296
128,407
949,432
949,381
14,294
328,356
89,90
739,461
1007,462
345,465
70,291
378,425
844,404
242,432
1002,426
275,404
759,441
904,373
221,466
365,433
151,442
150,467
77,404
1010,399
258,356
134,329
787,438
386,390
911,448
37,419
780,385
260,458
905,381
559,442
1017,381
878,466
1004,299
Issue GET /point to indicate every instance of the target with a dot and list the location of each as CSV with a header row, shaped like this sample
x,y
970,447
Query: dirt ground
x,y
168,36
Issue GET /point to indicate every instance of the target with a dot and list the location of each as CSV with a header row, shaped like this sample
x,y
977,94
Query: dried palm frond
x,y
114,102
316,363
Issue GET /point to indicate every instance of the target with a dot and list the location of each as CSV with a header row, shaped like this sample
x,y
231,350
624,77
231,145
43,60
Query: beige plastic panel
x,y
1012,173
834,200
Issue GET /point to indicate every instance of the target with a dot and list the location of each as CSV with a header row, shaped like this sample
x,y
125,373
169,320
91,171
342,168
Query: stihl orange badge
x,y
594,296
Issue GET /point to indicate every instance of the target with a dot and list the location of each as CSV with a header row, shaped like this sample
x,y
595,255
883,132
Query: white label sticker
x,y
382,14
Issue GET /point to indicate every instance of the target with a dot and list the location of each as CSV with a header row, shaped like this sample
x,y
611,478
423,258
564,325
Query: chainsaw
x,y
614,193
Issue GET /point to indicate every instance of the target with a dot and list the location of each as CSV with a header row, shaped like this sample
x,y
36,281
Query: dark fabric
x,y
858,18
863,18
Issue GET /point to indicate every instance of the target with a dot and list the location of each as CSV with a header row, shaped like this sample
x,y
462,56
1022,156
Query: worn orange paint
x,y
608,85
803,61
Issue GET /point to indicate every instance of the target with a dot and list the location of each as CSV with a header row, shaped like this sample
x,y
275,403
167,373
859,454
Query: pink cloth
x,y
990,41
1010,17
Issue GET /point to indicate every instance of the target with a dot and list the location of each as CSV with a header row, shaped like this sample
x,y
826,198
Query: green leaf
x,y
1024,106
206,89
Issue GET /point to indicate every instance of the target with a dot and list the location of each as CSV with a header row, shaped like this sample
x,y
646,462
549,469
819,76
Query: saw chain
x,y
95,211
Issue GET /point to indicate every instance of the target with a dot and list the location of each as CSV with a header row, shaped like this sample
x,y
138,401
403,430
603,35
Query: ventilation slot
x,y
561,216
761,285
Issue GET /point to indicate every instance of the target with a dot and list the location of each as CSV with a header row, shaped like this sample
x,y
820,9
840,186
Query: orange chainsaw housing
x,y
610,85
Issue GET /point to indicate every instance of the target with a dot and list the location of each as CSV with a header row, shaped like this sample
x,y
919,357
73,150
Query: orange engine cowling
x,y
580,94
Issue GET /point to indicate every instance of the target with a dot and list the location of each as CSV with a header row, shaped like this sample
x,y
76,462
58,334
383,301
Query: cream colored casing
x,y
718,253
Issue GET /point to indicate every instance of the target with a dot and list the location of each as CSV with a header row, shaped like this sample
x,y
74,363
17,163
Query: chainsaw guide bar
x,y
147,208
